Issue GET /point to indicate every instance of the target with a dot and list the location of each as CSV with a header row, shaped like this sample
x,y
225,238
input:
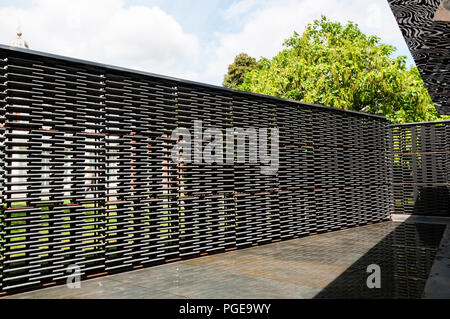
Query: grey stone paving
x,y
298,268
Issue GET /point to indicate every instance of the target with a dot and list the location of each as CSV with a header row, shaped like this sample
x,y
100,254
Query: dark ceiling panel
x,y
426,28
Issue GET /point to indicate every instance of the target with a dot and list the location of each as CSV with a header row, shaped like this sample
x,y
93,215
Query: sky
x,y
189,39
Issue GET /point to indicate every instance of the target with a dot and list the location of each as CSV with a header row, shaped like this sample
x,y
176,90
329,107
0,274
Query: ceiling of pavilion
x,y
425,25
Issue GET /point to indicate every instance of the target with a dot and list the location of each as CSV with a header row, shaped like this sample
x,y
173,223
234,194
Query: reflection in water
x,y
405,257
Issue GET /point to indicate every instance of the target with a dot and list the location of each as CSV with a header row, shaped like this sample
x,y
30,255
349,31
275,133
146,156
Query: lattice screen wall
x,y
87,177
421,168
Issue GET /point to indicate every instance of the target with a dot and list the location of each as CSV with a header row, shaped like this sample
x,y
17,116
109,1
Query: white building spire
x,y
19,42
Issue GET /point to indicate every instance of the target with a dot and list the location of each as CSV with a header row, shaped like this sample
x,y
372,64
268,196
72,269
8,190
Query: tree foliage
x,y
338,65
242,64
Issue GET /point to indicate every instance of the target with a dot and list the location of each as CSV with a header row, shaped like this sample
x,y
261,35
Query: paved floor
x,y
298,268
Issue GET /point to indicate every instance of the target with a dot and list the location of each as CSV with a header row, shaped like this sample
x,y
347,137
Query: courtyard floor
x,y
330,265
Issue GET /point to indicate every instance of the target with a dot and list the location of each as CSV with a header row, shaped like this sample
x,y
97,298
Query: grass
x,y
163,221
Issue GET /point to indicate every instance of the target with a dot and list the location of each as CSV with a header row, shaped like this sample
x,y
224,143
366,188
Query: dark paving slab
x,y
307,267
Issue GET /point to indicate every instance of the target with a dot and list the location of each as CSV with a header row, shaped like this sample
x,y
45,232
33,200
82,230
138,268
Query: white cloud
x,y
237,9
106,31
374,16
149,39
264,32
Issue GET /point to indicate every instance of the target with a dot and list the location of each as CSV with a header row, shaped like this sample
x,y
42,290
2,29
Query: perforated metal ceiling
x,y
425,25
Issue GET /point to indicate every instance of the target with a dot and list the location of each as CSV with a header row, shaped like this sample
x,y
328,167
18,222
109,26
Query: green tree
x,y
338,65
242,64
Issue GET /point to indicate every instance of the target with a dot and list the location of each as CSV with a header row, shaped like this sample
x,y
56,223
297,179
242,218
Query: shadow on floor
x,y
432,200
405,258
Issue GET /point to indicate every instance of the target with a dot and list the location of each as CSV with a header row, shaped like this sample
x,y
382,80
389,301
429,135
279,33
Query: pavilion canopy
x,y
425,25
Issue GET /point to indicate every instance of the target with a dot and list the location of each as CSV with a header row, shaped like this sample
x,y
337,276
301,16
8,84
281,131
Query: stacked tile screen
x,y
421,168
87,178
